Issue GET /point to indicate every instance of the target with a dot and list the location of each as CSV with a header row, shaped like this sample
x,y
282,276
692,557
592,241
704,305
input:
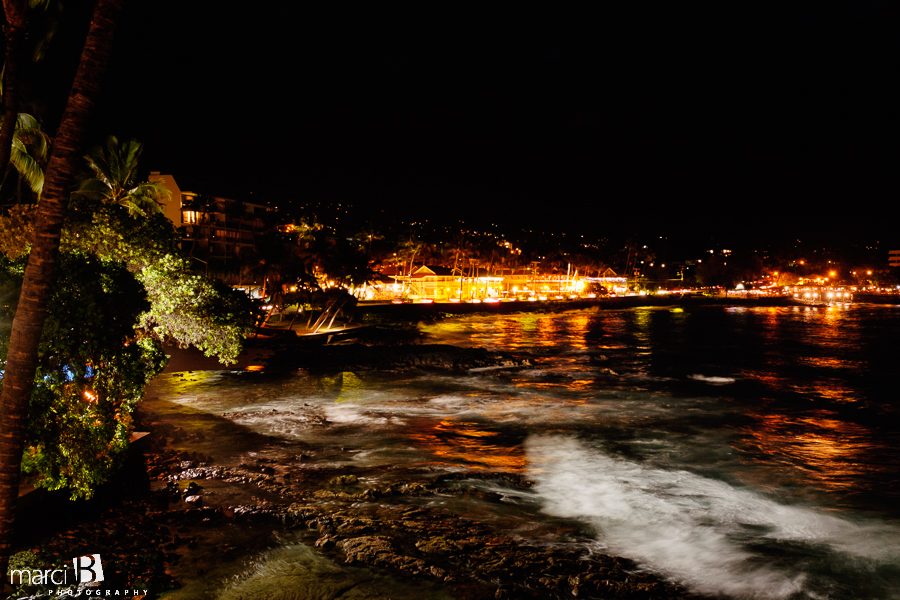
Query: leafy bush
x,y
91,372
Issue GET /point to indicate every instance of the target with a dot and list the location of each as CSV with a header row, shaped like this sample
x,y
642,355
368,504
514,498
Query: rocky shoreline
x,y
191,513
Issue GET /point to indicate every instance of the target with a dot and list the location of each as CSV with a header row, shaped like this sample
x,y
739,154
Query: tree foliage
x,y
193,310
113,178
121,288
30,151
91,371
185,307
16,230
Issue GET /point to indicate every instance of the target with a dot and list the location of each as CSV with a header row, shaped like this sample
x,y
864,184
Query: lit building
x,y
439,283
433,282
894,258
213,228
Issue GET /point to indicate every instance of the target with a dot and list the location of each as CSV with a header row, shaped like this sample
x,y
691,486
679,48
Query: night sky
x,y
758,119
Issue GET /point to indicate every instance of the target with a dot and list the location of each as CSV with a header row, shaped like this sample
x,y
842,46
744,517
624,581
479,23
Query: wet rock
x,y
369,494
370,549
325,525
355,527
330,495
438,545
344,480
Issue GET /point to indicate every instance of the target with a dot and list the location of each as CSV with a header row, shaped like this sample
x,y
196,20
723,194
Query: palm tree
x,y
460,249
32,148
21,363
410,247
114,170
367,236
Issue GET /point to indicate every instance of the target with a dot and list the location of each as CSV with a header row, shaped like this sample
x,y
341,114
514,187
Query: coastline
x,y
393,530
408,311
325,513
188,519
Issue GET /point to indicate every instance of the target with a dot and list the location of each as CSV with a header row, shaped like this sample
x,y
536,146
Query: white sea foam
x,y
712,380
492,368
533,372
447,401
349,413
689,528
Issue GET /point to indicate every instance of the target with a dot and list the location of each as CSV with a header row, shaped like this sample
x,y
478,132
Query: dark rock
x,y
344,480
438,545
370,549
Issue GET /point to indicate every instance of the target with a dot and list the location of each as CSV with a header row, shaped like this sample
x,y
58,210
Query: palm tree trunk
x,y
336,313
15,35
29,322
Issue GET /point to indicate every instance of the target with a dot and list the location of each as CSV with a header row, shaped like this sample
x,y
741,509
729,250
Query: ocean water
x,y
741,452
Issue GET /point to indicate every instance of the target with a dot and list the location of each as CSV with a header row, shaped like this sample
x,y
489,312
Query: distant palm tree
x,y
368,235
411,246
460,249
114,170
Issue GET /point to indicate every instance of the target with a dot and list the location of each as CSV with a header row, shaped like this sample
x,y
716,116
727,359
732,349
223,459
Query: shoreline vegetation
x,y
181,510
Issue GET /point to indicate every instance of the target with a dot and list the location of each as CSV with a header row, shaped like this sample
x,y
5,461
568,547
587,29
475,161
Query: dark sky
x,y
745,117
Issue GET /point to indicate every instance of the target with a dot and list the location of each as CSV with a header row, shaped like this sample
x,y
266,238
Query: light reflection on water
x,y
806,363
468,444
791,405
832,454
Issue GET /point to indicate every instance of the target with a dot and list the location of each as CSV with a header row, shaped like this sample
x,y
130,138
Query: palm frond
x,y
37,143
114,169
131,154
26,121
52,15
141,205
146,198
93,189
155,190
27,166
97,164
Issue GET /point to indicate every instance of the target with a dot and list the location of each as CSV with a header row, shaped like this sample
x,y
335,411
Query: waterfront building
x,y
437,283
213,228
434,282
